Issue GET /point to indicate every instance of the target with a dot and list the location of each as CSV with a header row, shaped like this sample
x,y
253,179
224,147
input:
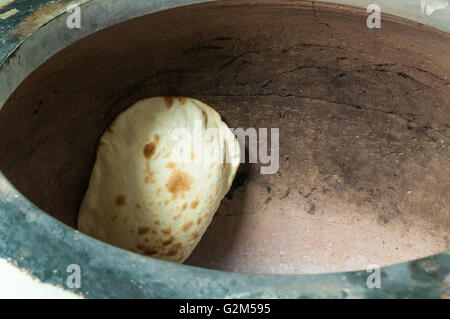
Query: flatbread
x,y
152,192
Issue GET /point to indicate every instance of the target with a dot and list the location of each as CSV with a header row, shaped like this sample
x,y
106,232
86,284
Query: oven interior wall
x,y
364,172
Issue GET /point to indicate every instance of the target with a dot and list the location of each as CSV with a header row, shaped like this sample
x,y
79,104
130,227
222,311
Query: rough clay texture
x,y
363,115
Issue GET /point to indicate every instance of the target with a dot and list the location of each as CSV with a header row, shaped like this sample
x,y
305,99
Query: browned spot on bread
x,y
187,225
154,232
168,241
166,231
138,206
143,230
121,200
157,222
158,191
146,240
176,217
147,250
177,246
195,235
175,249
192,156
114,217
179,183
182,100
149,177
184,206
171,165
149,149
157,138
111,125
166,202
194,204
199,220
167,155
203,113
169,101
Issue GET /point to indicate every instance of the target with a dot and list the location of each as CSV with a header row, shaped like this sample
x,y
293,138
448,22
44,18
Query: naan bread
x,y
145,195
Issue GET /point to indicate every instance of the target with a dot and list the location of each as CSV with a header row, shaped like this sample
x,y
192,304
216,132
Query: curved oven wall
x,y
30,237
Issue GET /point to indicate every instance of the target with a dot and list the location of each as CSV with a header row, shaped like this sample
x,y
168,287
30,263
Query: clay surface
x,y
364,118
